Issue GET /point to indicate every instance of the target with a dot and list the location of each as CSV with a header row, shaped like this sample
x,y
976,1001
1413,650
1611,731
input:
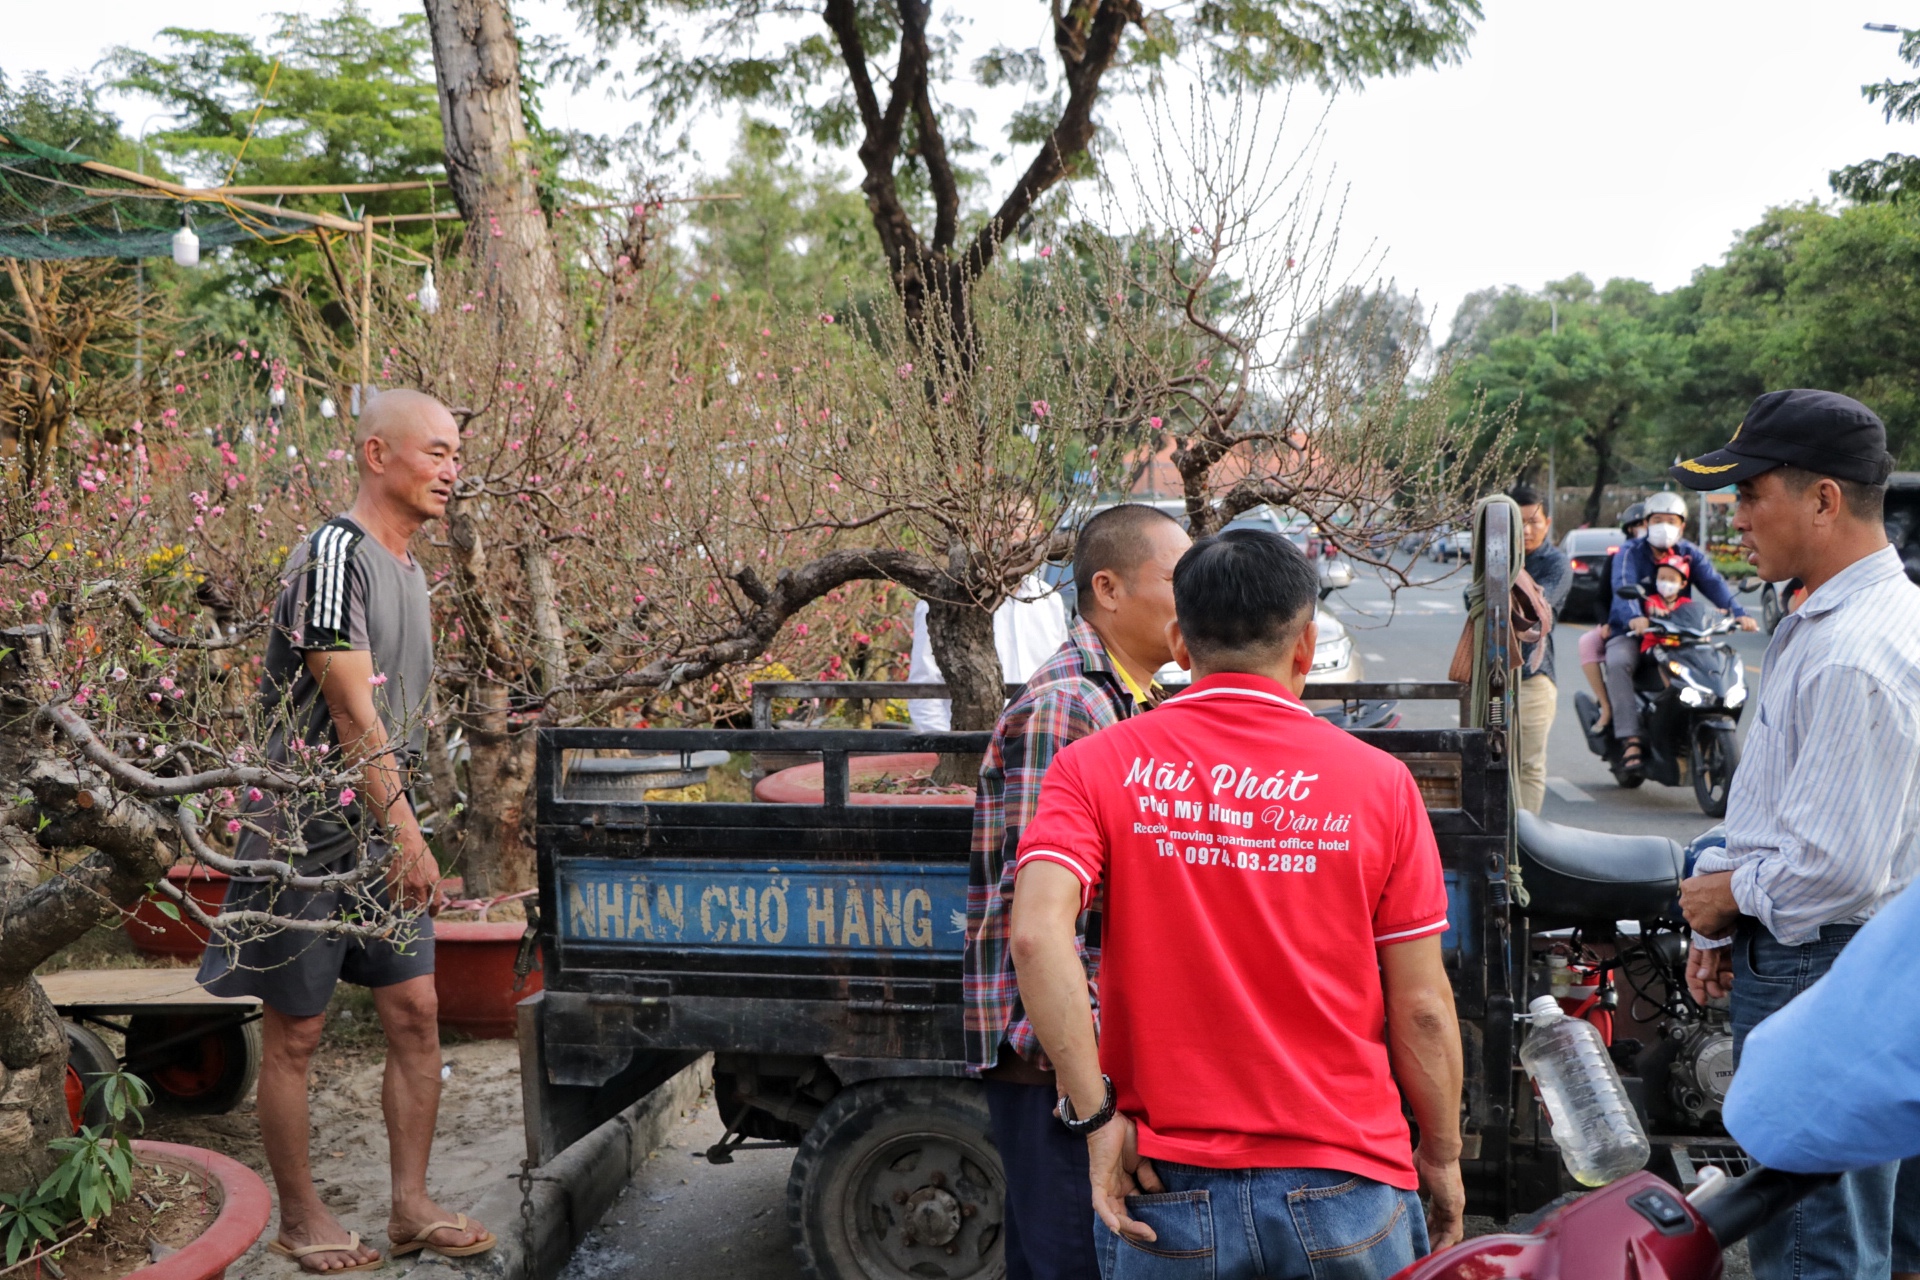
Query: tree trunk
x,y
476,59
1601,442
961,633
494,856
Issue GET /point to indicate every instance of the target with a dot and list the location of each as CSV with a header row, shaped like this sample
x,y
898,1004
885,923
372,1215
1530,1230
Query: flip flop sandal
x,y
1633,758
308,1250
419,1241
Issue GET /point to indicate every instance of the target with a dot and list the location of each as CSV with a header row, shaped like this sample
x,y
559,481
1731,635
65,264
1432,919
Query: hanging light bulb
x,y
277,397
186,245
327,408
429,296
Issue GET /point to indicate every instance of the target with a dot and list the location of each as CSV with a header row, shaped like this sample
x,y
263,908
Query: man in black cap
x,y
1823,821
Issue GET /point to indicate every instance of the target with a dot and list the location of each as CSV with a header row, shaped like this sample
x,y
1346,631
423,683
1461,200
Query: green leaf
x,y
167,909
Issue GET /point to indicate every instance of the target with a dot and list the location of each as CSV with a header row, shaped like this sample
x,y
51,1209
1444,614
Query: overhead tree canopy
x,y
824,66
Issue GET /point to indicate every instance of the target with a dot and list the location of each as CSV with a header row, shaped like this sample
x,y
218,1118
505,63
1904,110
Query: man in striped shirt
x,y
1823,822
1123,578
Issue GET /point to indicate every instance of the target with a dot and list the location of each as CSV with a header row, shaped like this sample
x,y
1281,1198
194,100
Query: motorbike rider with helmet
x,y
1634,564
1593,644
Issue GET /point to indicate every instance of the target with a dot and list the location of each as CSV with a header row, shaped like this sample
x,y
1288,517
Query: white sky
x,y
1627,137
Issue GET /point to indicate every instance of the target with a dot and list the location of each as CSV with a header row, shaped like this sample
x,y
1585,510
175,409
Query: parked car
x,y
1455,544
1587,552
1336,570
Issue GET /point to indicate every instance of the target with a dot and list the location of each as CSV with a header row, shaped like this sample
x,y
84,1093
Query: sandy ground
x,y
478,1143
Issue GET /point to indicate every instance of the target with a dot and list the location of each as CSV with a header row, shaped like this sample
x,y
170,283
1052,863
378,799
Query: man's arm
x,y
345,677
1053,987
1555,578
1626,569
1423,1043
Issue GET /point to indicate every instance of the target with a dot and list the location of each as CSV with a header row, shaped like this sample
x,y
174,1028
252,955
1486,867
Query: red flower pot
x,y
155,933
245,1208
802,784
473,975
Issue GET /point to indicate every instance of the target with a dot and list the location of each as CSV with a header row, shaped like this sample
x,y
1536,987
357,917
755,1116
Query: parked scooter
x,y
1638,1228
1691,687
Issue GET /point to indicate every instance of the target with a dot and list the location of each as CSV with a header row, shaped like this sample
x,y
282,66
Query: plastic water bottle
x,y
1593,1121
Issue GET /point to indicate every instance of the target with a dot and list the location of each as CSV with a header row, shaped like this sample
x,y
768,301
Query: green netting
x,y
52,206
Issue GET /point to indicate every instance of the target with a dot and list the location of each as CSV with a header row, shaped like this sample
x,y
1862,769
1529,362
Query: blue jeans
x,y
1842,1232
1284,1224
1049,1203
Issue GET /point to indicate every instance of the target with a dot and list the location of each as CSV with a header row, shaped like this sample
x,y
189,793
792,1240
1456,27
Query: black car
x,y
1588,553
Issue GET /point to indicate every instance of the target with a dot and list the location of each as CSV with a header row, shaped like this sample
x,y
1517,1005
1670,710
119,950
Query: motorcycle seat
x,y
1574,876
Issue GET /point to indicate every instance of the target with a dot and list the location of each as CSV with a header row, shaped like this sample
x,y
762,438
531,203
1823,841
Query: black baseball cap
x,y
1819,431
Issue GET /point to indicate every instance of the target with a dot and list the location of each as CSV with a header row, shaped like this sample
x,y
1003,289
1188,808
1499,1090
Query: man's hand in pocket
x,y
1114,1161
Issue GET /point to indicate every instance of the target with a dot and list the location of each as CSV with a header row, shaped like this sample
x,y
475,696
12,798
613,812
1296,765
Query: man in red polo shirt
x,y
1272,983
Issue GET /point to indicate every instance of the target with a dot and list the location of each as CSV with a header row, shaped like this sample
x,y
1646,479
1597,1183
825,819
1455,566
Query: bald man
x,y
348,668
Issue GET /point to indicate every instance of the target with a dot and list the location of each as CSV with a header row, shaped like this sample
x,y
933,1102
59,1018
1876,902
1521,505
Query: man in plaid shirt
x,y
1123,577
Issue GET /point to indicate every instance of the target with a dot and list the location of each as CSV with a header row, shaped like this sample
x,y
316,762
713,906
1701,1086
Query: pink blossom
x,y
346,796
826,318
905,371
233,826
801,629
377,679
166,682
153,697
118,674
38,599
1041,409
253,793
1154,423
1046,251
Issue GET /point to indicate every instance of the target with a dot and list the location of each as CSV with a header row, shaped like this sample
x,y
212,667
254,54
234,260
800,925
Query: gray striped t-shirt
x,y
342,590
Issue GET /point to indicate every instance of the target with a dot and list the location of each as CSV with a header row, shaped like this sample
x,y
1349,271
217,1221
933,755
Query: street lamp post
x,y
1553,441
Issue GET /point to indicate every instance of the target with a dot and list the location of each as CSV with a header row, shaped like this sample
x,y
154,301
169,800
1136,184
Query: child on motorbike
x,y
1671,576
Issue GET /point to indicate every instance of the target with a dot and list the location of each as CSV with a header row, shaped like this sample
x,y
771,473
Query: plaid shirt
x,y
1075,693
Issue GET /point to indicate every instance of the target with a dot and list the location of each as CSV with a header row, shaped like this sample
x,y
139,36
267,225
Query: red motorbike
x,y
1638,1228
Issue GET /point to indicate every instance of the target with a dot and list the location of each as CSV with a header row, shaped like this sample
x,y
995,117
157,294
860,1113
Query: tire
x,y
1770,610
88,1058
1713,756
899,1179
205,1075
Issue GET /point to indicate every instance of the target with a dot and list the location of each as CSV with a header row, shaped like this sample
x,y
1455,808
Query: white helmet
x,y
1667,504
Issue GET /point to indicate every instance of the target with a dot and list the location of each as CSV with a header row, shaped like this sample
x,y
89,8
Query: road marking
x,y
1567,791
1374,657
1753,668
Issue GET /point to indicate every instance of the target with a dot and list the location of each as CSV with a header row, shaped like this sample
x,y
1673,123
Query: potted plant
x,y
156,927
100,1198
473,963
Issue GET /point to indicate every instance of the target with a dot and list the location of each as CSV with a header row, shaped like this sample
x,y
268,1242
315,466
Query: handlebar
x,y
1733,1208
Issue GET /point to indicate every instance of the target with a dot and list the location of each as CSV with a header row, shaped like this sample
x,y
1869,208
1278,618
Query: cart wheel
x,y
899,1179
207,1073
88,1058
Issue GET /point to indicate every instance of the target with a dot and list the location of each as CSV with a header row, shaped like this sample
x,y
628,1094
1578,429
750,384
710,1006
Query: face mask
x,y
1668,588
1663,535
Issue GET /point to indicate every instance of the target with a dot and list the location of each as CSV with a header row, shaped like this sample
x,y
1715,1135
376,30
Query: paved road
x,y
1411,635
690,1220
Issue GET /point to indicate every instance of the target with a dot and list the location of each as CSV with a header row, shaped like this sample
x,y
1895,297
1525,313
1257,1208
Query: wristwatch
x,y
1063,1111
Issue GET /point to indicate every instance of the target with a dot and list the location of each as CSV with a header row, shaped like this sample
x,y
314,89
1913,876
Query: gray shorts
x,y
295,972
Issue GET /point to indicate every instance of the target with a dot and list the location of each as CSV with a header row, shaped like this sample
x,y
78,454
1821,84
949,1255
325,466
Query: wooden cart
x,y
200,1052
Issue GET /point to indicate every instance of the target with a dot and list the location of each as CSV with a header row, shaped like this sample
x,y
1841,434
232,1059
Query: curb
x,y
573,1191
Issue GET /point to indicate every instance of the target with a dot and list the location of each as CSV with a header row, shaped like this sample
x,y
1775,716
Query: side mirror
x,y
1336,575
1752,582
1631,591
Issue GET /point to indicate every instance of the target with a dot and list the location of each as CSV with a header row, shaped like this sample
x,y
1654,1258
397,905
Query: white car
x,y
1335,659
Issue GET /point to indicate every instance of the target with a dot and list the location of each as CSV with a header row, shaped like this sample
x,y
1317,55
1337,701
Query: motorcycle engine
x,y
1701,1071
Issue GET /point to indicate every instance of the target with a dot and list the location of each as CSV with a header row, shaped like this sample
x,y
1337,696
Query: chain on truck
x,y
814,949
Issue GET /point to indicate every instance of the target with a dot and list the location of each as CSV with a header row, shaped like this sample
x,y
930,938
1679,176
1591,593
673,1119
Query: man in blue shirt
x,y
1633,565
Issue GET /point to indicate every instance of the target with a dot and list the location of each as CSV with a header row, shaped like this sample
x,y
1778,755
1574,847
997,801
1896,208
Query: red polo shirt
x,y
1253,859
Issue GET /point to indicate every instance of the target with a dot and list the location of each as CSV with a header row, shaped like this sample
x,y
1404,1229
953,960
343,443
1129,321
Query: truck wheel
x,y
204,1074
897,1180
1716,754
88,1058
